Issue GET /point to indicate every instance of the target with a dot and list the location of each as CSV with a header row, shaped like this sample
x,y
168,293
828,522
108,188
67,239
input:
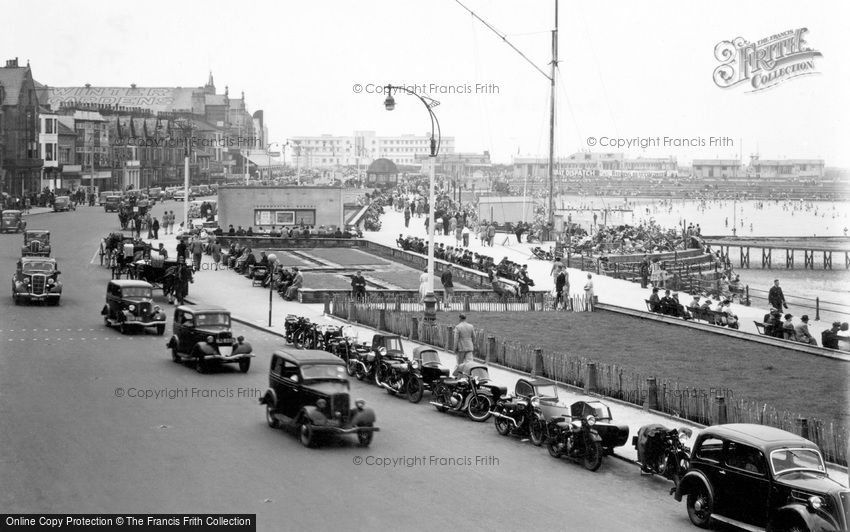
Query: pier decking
x,y
809,247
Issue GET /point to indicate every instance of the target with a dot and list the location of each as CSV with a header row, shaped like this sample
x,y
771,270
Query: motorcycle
x,y
399,377
293,326
577,440
521,416
470,393
662,451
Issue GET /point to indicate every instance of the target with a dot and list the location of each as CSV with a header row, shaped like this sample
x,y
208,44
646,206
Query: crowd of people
x,y
720,308
295,231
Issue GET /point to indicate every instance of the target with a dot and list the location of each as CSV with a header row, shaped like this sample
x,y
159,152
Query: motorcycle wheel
x,y
379,376
299,339
359,372
554,448
478,408
350,368
503,426
592,456
537,430
442,395
415,389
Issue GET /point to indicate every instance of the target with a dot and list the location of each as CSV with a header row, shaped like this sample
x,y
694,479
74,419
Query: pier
x,y
813,250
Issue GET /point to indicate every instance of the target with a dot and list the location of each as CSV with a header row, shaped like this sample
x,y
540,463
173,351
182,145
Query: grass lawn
x,y
804,384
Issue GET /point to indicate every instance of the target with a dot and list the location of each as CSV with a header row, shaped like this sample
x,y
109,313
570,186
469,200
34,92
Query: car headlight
x,y
26,281
50,281
131,308
683,438
816,503
535,401
210,339
591,420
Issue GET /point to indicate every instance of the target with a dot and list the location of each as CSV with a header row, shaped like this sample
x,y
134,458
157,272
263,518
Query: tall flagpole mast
x,y
552,119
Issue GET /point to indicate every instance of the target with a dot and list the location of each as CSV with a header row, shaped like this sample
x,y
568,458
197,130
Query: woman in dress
x,y
655,274
424,284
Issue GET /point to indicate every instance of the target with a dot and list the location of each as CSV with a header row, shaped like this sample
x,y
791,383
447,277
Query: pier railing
x,y
706,406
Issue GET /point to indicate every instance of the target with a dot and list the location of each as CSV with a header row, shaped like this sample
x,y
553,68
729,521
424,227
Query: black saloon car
x,y
36,243
309,390
12,221
36,279
761,478
202,336
129,305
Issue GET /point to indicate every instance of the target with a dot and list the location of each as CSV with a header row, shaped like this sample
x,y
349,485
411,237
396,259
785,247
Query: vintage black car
x,y
36,243
202,336
309,390
758,477
12,221
129,306
63,203
428,361
612,435
111,203
36,279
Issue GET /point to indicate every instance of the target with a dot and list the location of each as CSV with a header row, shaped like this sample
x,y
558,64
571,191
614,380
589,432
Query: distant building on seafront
x,y
362,148
595,164
20,157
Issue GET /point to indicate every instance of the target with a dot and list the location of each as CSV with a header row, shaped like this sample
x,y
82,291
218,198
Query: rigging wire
x,y
589,40
504,38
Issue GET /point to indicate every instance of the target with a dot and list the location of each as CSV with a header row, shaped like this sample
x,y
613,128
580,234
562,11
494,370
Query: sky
x,y
627,70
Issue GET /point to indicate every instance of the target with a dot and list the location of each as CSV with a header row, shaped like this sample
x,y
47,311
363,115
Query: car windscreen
x,y
429,356
136,291
547,391
782,460
323,371
212,318
10,215
37,266
393,344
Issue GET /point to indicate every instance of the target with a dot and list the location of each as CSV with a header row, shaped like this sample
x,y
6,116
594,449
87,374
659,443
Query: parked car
x,y
111,203
63,203
612,435
759,477
309,390
202,336
36,279
36,243
204,190
180,194
12,221
129,305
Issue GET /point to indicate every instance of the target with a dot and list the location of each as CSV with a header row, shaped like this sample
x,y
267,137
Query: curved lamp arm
x,y
429,103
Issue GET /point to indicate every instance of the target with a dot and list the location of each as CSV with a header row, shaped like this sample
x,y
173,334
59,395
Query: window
x,y
710,449
746,458
289,371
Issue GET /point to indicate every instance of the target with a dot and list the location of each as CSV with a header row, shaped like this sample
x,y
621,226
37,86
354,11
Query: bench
x,y
648,305
759,327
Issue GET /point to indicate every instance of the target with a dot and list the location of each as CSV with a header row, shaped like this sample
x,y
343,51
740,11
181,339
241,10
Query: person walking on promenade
x,y
149,225
407,216
424,285
588,291
197,249
155,228
448,286
644,271
465,235
775,296
464,340
560,282
215,251
491,234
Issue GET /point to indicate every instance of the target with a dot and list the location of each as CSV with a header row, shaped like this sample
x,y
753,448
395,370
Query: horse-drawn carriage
x,y
172,275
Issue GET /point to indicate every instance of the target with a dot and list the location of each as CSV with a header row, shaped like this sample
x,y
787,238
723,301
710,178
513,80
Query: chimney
x,y
132,85
12,63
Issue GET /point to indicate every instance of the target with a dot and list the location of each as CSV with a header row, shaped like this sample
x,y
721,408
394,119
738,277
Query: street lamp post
x,y
430,299
269,153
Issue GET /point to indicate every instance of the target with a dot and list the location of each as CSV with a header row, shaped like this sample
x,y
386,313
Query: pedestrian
x,y
560,282
181,248
644,271
424,284
155,228
465,235
588,291
149,225
464,341
215,251
197,249
448,286
137,222
358,285
491,234
407,216
775,296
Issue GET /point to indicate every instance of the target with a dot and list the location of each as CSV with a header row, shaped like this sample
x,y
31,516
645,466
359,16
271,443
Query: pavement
x,y
250,305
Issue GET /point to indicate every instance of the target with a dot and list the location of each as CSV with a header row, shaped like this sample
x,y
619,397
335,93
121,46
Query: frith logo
x,y
766,63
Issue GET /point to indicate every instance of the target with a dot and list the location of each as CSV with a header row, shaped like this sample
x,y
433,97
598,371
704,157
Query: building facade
x,y
48,148
362,148
288,206
596,164
20,160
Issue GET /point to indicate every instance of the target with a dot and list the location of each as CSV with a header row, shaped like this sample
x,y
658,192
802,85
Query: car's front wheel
x,y
306,433
244,365
122,328
270,417
175,356
160,330
699,507
364,438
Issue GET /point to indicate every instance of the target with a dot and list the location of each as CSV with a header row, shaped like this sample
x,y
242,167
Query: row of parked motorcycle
x,y
584,432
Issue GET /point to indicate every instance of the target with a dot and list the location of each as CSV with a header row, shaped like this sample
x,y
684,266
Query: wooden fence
x,y
707,406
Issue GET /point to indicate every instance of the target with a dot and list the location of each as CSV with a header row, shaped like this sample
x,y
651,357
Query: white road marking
x,y
96,253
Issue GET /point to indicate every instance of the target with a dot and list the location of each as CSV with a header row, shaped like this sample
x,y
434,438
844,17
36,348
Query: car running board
x,y
736,523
